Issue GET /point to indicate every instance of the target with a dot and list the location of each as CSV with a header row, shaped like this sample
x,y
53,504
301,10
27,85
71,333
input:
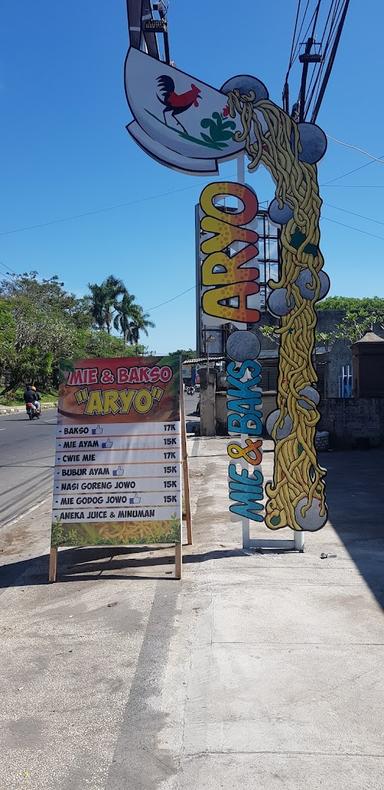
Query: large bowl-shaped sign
x,y
179,120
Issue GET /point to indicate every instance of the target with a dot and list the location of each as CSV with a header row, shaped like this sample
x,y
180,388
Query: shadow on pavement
x,y
90,563
355,496
23,418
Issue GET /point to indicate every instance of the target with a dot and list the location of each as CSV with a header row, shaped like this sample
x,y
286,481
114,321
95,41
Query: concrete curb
x,y
18,409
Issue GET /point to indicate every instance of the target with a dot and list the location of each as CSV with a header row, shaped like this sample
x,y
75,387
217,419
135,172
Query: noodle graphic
x,y
296,497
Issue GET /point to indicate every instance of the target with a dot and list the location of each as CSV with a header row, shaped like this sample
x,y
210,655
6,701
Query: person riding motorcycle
x,y
29,395
37,400
32,398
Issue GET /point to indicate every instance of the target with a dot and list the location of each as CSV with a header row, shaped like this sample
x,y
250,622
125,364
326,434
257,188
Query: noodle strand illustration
x,y
296,496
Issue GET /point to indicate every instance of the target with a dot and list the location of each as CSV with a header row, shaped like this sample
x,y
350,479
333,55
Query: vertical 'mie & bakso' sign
x,y
229,280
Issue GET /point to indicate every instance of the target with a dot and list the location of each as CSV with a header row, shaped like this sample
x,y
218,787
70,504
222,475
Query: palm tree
x,y
126,311
97,306
140,323
130,319
103,301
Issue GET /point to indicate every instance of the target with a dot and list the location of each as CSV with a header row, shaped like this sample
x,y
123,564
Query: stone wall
x,y
341,354
350,422
353,422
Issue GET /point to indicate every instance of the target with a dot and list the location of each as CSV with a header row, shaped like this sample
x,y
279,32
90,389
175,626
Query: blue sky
x,y
65,150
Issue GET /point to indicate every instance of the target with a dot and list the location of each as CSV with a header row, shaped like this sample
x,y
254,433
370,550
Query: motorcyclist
x,y
29,394
31,397
37,399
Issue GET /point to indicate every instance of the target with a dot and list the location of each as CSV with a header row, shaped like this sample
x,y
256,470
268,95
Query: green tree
x,y
111,305
41,323
41,338
103,301
94,343
7,335
360,315
48,294
127,312
183,353
140,323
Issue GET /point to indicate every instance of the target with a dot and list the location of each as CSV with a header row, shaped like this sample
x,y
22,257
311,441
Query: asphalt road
x,y
191,402
26,462
27,457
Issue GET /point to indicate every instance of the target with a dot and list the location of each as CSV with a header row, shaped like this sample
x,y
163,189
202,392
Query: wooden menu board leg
x,y
178,560
53,564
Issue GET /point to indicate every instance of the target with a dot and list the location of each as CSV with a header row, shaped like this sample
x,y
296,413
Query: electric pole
x,y
306,58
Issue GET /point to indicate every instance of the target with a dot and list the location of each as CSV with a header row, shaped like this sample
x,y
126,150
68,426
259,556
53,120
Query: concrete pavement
x,y
259,671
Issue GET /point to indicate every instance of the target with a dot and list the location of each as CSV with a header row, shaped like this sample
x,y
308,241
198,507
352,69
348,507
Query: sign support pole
x,y
178,555
241,169
298,540
52,576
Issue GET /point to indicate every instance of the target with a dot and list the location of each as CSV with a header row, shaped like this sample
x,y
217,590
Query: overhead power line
x,y
356,148
352,227
172,299
353,186
95,211
102,210
349,172
354,213
294,40
330,63
8,271
325,46
317,28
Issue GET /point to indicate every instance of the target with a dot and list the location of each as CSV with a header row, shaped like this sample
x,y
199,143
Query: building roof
x,y
203,360
369,337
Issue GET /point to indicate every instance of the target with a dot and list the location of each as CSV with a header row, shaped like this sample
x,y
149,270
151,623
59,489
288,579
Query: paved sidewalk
x,y
258,671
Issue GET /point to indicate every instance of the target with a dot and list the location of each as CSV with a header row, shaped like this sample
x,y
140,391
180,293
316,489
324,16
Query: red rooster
x,y
176,103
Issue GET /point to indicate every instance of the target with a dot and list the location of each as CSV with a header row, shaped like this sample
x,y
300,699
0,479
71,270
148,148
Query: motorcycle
x,y
32,411
190,390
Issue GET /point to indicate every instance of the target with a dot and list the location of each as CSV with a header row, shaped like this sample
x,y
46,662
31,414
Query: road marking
x,y
2,429
27,512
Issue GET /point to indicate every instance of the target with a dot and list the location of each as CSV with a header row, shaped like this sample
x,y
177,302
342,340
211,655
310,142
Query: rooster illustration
x,y
176,103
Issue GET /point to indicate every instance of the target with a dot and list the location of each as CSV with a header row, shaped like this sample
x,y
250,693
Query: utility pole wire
x,y
349,173
354,213
317,64
353,186
172,299
352,227
356,148
330,63
331,23
96,211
